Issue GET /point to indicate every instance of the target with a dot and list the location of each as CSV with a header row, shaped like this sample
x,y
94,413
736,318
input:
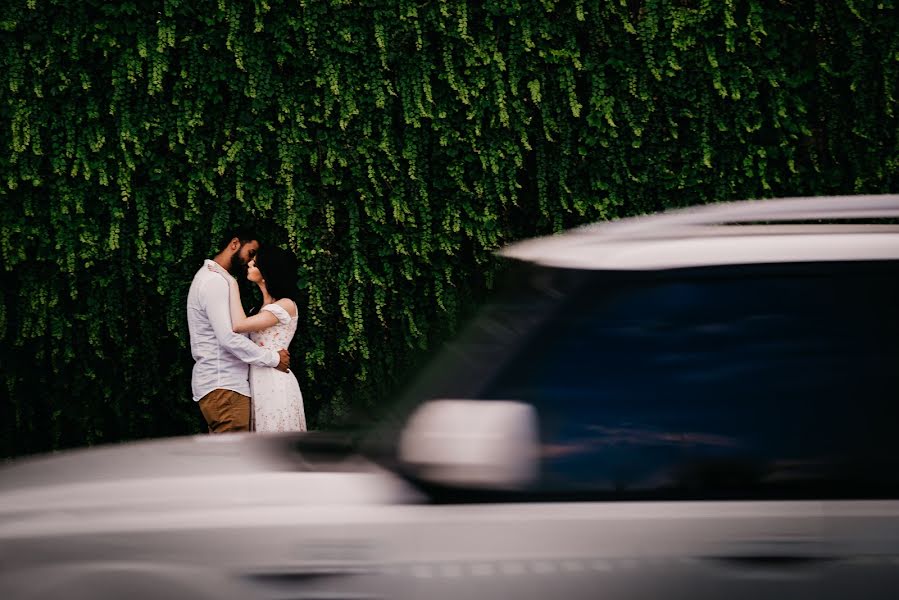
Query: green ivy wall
x,y
392,145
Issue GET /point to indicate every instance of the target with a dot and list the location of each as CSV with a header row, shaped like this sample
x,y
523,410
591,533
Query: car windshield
x,y
524,298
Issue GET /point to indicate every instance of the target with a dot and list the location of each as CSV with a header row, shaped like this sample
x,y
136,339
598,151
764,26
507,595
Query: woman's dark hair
x,y
279,269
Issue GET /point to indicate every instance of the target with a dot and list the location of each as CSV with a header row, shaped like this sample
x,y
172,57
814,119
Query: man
x,y
219,381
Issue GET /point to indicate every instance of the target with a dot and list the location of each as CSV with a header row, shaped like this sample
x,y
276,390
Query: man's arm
x,y
215,300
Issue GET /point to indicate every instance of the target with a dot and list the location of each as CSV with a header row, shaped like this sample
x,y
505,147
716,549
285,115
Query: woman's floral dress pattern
x,y
277,400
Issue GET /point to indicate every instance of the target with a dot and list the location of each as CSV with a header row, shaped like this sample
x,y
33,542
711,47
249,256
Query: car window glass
x,y
782,383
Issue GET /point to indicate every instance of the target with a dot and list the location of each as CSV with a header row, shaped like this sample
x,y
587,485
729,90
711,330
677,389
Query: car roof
x,y
789,230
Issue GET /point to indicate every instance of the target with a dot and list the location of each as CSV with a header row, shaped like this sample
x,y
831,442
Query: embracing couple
x,y
231,368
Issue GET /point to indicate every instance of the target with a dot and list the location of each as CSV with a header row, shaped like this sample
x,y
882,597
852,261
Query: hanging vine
x,y
392,145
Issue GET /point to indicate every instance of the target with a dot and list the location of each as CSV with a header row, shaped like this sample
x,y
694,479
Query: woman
x,y
276,397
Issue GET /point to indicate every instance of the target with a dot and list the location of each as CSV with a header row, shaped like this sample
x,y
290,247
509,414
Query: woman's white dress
x,y
277,400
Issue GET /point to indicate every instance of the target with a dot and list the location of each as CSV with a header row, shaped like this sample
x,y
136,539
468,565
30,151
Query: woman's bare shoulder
x,y
288,305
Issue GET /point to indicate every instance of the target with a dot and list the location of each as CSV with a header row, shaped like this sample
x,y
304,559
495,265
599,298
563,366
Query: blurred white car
x,y
700,404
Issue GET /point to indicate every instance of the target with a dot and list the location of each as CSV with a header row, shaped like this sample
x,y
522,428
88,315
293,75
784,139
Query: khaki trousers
x,y
226,411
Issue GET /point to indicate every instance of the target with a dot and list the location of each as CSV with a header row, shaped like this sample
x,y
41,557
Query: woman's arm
x,y
240,322
215,300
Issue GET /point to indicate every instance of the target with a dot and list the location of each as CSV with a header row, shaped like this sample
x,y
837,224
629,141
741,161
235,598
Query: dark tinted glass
x,y
740,382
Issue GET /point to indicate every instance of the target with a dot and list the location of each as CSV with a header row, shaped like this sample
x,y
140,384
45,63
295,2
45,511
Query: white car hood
x,y
190,473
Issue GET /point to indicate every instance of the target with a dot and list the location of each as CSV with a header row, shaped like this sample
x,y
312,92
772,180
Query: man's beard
x,y
238,267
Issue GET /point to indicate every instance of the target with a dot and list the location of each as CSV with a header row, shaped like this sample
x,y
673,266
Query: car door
x,y
723,432
634,550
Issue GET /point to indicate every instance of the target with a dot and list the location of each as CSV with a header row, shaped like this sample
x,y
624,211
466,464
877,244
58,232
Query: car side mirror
x,y
485,444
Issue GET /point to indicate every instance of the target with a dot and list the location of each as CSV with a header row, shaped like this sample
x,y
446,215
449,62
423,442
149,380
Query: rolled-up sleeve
x,y
214,296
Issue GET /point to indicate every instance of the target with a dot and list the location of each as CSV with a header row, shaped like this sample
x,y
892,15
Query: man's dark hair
x,y
279,269
244,234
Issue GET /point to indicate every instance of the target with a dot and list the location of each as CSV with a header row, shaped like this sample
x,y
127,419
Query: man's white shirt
x,y
221,355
